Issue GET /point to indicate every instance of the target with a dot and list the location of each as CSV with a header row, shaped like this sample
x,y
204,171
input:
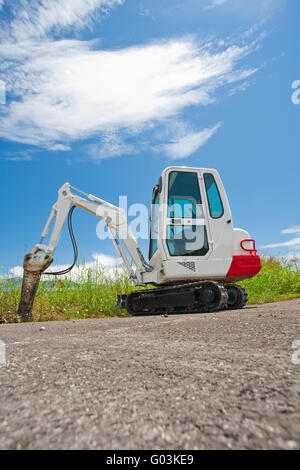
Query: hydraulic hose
x,y
75,249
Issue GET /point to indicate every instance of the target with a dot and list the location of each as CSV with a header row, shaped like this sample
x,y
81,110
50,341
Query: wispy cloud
x,y
295,229
110,145
185,143
143,11
63,91
294,242
215,3
39,18
256,10
19,158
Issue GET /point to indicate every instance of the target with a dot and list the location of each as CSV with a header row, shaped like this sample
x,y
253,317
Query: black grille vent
x,y
189,265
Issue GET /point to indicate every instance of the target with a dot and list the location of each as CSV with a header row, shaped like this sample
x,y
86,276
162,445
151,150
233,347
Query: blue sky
x,y
106,93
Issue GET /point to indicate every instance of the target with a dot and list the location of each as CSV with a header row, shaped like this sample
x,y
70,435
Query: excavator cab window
x,y
184,198
213,196
154,221
185,202
184,240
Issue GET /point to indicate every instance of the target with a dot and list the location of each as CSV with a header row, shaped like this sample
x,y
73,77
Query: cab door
x,y
219,218
186,231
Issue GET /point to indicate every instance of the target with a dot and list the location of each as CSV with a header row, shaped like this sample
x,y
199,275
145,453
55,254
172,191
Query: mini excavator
x,y
196,256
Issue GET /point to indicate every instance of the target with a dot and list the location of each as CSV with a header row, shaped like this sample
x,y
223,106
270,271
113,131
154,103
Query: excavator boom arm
x,y
41,256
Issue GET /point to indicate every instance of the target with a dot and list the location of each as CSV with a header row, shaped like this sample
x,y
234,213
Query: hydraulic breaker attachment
x,y
34,265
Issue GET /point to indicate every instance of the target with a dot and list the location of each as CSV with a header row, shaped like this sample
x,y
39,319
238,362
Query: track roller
x,y
237,296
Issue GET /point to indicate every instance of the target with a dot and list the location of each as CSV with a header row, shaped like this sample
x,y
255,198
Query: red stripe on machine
x,y
244,266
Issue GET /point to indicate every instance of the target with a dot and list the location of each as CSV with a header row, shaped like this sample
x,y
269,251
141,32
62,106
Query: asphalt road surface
x,y
227,380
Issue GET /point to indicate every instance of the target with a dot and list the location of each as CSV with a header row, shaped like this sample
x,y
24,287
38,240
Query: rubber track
x,y
196,309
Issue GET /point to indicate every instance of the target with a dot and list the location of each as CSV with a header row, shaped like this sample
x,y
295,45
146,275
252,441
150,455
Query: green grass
x,y
276,281
95,295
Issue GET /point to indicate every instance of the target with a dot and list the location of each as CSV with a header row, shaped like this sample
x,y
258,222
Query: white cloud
x,y
215,3
107,261
243,86
253,10
294,242
291,230
38,18
110,145
19,158
67,90
185,145
17,271
107,265
259,4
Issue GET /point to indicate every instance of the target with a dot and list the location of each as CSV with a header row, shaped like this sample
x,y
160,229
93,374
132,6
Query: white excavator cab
x,y
190,213
192,234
